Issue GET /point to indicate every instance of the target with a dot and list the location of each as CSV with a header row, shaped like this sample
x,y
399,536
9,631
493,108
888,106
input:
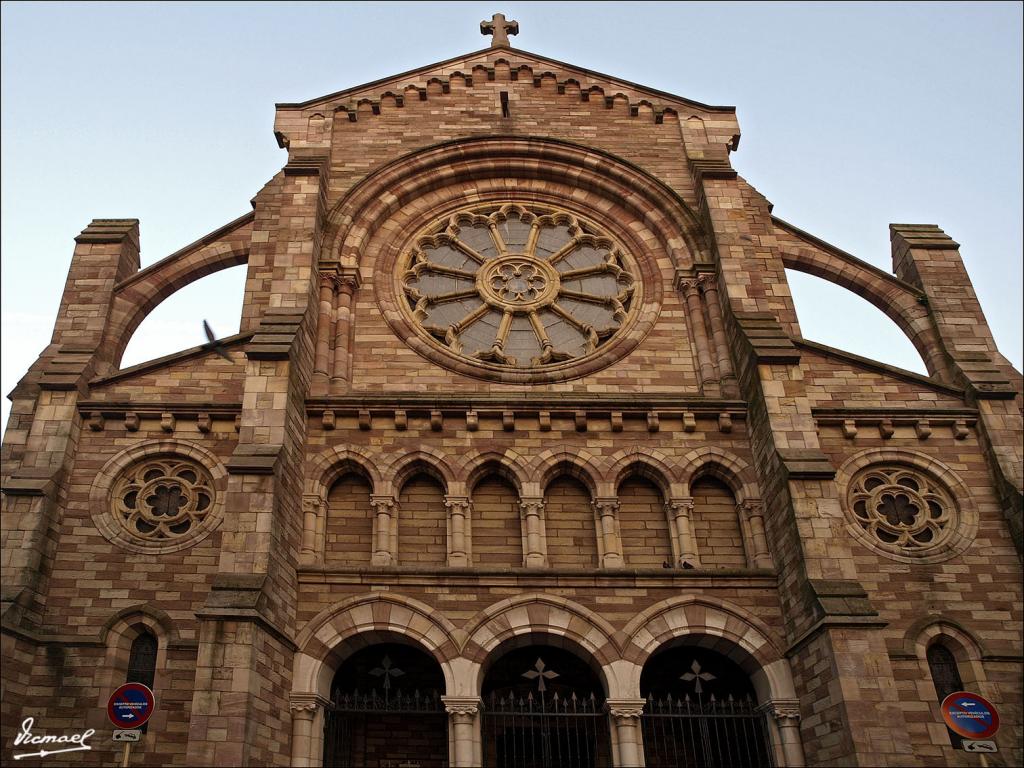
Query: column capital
x,y
680,506
625,708
306,702
456,502
783,710
707,281
383,503
690,286
312,501
461,705
606,506
751,508
531,505
347,279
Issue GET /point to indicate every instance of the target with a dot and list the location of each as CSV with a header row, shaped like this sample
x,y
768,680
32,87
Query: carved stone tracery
x,y
517,286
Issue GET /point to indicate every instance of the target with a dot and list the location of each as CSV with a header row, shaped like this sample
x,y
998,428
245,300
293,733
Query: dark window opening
x,y
142,663
946,679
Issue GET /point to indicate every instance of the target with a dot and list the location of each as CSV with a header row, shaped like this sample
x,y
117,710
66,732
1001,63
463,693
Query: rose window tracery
x,y
903,509
163,499
517,286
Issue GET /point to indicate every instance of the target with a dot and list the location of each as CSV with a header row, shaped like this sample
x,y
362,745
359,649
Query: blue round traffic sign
x,y
969,715
131,705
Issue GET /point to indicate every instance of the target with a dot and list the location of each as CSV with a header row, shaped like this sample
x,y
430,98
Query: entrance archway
x,y
386,710
701,712
543,707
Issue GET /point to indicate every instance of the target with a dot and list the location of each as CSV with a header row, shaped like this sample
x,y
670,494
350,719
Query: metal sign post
x,y
129,707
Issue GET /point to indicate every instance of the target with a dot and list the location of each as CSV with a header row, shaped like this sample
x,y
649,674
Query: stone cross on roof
x,y
500,29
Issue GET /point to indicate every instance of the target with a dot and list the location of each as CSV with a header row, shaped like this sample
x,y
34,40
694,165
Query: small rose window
x,y
902,509
517,286
164,499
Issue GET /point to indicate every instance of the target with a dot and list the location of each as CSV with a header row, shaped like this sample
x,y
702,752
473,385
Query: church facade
x,y
518,459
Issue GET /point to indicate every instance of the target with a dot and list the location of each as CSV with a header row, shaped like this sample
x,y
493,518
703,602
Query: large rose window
x,y
517,286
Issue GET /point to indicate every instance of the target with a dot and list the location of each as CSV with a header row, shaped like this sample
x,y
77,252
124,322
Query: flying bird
x,y
213,344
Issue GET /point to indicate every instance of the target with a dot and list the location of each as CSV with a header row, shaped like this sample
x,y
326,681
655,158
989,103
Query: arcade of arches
x,y
542,682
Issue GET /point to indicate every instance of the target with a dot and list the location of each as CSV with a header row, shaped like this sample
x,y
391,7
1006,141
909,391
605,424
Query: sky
x,y
853,116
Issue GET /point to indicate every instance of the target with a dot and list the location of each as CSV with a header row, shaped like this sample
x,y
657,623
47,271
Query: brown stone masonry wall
x,y
349,523
572,540
497,531
421,523
644,527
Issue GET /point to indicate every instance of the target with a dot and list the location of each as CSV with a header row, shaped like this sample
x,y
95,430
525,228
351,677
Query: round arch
x,y
720,626
370,228
337,631
528,618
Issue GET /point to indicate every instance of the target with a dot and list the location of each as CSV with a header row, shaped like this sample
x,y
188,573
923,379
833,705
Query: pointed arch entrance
x,y
701,712
543,707
386,709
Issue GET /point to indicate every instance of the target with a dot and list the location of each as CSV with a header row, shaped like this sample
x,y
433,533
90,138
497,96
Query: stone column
x,y
312,510
753,513
307,740
606,514
324,325
625,714
709,284
385,536
347,283
786,714
695,314
459,521
463,714
535,553
680,514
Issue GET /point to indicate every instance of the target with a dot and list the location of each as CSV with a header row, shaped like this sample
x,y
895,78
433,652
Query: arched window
x,y
946,678
142,662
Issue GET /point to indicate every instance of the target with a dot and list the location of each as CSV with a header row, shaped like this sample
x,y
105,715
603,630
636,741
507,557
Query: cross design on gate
x,y
539,673
696,674
387,671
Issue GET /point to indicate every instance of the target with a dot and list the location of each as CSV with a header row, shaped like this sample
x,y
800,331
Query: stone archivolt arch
x,y
549,464
719,463
335,632
427,460
370,228
325,468
508,464
399,183
535,614
649,463
138,295
464,653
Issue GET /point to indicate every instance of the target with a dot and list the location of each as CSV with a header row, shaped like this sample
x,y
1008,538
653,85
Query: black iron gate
x,y
727,733
390,729
544,731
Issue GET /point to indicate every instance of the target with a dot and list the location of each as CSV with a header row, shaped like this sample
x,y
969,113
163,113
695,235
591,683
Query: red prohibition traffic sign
x,y
131,705
969,715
